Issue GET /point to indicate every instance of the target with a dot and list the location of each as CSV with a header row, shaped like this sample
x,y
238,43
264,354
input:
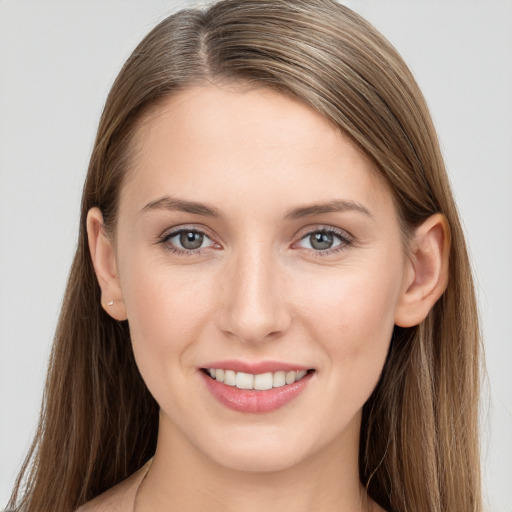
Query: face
x,y
254,236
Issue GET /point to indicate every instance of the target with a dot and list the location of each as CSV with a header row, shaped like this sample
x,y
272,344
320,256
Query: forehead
x,y
249,141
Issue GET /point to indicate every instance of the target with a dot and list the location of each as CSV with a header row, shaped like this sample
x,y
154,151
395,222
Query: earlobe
x,y
104,262
426,276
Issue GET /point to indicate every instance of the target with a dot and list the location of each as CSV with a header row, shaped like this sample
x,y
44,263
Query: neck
x,y
182,478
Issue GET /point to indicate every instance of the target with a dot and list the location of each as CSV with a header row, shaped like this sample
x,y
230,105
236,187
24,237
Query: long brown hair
x,y
419,441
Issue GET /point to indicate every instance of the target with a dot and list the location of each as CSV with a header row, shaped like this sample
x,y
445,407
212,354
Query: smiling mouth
x,y
253,382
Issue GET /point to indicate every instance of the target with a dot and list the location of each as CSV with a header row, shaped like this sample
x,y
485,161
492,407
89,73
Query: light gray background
x,y
57,62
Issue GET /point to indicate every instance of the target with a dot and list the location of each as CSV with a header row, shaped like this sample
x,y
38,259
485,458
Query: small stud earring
x,y
111,303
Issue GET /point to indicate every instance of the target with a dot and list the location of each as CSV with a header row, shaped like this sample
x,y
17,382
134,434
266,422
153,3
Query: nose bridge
x,y
254,303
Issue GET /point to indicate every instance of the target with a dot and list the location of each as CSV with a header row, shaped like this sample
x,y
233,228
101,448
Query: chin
x,y
262,463
258,455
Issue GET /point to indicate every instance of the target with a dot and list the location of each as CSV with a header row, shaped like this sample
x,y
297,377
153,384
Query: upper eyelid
x,y
326,229
180,229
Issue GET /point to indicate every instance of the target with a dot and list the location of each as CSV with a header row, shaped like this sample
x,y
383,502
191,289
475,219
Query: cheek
x,y
166,309
351,316
359,301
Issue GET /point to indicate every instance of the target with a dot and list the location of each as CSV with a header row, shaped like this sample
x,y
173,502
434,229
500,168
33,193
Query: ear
x,y
426,276
105,266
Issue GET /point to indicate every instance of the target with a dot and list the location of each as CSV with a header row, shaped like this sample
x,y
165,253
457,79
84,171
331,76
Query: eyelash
x,y
164,240
346,241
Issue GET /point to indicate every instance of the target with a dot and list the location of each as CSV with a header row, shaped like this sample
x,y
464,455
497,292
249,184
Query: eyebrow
x,y
334,206
175,204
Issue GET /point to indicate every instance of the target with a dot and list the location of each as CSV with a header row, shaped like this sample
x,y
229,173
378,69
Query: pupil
x,y
321,241
191,240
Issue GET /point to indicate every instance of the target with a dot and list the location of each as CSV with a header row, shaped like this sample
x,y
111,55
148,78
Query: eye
x,y
187,240
325,240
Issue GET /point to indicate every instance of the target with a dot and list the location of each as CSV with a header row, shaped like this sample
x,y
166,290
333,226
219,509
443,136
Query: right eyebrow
x,y
180,205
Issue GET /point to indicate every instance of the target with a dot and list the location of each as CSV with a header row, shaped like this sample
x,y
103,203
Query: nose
x,y
254,306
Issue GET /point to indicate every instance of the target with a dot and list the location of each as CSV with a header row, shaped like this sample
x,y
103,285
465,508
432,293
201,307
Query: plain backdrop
x,y
57,62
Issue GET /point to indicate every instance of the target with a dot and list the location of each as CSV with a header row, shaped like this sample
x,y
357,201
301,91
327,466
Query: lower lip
x,y
251,401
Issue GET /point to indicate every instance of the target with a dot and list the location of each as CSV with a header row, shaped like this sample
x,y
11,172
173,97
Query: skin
x,y
258,290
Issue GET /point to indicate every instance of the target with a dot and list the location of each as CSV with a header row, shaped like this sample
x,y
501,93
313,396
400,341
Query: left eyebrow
x,y
334,206
175,204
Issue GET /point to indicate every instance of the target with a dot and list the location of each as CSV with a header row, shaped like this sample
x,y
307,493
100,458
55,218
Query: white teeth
x,y
229,377
290,377
263,381
279,379
258,382
244,380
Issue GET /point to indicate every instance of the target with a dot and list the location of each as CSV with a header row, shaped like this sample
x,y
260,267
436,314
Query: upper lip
x,y
255,367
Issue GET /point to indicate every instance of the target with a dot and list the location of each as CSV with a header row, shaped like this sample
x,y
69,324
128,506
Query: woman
x,y
271,303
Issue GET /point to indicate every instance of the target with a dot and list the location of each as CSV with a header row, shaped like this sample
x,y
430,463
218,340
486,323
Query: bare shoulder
x,y
119,498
